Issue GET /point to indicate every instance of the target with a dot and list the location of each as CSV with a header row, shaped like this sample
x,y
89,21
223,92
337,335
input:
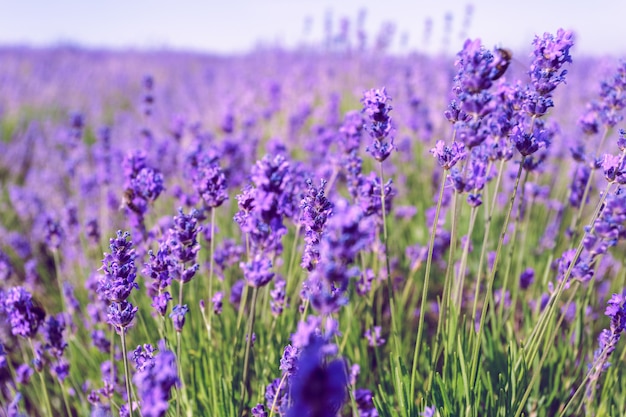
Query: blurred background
x,y
237,26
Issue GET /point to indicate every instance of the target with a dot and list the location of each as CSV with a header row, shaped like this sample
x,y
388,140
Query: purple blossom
x,y
52,331
376,106
315,210
236,292
119,269
178,316
318,388
259,411
550,54
101,341
54,233
364,402
608,339
289,360
526,278
23,374
210,182
614,168
258,271
374,336
143,357
448,156
160,302
350,132
278,300
121,314
217,302
154,384
22,314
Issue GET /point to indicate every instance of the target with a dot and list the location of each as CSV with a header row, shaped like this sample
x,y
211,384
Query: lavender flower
x,y
376,106
316,209
526,278
178,316
52,331
210,182
121,314
217,302
154,384
259,411
143,357
23,374
551,53
374,336
119,269
608,339
258,271
318,388
278,300
22,314
448,156
364,402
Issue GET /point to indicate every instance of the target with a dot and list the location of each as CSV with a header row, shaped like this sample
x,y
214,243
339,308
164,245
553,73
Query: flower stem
x,y
126,372
43,383
211,250
247,351
420,326
492,276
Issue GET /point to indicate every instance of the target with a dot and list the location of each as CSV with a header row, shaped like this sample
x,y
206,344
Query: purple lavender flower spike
x,y
53,329
258,272
23,374
364,402
374,336
448,156
178,316
23,314
316,209
121,314
259,411
119,269
143,357
217,302
526,278
551,53
154,384
210,183
376,106
608,339
318,388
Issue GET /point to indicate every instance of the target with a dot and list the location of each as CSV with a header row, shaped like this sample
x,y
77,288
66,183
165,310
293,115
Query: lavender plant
x,y
284,260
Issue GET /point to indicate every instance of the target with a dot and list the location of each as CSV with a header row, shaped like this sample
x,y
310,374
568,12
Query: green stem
x,y
65,401
492,276
387,263
43,383
211,250
483,250
420,326
126,372
579,212
246,359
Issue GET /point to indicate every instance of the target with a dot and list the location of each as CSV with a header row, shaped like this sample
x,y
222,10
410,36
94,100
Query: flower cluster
x,y
118,280
376,106
608,339
316,209
155,382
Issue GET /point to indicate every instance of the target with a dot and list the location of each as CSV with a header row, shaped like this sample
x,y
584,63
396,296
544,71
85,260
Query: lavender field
x,y
315,232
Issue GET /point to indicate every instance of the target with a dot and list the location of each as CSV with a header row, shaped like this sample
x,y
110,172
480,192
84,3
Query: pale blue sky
x,y
237,25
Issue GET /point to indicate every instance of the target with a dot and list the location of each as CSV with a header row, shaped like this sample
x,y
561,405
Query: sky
x,y
234,26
